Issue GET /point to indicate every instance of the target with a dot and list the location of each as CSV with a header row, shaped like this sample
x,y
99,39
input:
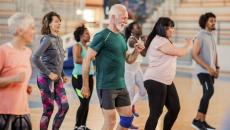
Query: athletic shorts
x,y
15,122
112,98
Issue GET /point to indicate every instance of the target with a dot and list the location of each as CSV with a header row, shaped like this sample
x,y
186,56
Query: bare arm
x,y
4,81
132,41
195,56
77,54
86,68
131,57
217,62
143,52
169,49
217,67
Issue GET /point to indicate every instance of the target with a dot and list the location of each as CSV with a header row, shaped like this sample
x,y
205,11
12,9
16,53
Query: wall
x,y
224,57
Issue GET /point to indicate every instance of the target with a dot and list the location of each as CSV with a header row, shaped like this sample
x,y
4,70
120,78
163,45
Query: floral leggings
x,y
48,96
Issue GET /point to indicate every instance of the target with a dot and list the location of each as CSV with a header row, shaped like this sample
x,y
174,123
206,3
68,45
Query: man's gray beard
x,y
121,29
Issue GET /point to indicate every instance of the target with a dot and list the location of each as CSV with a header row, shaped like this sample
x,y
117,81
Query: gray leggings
x,y
133,79
15,122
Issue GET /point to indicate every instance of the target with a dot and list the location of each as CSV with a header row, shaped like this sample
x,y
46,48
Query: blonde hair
x,y
19,20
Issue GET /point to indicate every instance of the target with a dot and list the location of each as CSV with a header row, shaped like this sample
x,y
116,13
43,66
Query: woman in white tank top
x,y
133,72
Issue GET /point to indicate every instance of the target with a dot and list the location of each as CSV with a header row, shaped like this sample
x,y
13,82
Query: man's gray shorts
x,y
112,98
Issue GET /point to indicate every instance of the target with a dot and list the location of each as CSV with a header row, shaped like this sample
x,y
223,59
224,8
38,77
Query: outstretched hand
x,y
189,42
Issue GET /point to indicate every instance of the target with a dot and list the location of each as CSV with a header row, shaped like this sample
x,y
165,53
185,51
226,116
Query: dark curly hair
x,y
204,19
79,32
46,20
128,30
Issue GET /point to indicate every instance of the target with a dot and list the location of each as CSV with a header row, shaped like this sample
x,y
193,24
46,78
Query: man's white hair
x,y
116,10
19,20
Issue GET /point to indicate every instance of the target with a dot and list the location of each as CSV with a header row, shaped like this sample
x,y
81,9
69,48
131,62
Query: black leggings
x,y
83,109
15,122
159,95
207,82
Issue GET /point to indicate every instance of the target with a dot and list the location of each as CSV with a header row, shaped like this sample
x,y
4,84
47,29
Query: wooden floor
x,y
189,91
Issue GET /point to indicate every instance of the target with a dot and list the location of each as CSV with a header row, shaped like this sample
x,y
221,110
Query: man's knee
x,y
111,123
110,119
126,122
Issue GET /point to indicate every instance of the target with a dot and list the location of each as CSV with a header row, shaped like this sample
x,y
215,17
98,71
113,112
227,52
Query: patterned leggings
x,y
59,95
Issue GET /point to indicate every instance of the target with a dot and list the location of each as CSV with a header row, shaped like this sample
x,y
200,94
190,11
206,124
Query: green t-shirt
x,y
110,59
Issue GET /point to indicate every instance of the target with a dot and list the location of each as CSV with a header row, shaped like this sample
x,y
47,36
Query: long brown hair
x,y
46,20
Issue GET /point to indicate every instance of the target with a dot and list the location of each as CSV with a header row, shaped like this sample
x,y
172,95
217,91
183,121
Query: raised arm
x,y
170,49
131,57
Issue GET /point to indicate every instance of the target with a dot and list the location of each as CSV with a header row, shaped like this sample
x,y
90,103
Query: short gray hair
x,y
19,20
116,8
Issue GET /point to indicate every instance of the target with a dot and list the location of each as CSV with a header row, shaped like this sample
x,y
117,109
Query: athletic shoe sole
x,y
195,127
132,129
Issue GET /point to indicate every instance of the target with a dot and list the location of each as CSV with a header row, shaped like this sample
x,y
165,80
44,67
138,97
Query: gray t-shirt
x,y
208,50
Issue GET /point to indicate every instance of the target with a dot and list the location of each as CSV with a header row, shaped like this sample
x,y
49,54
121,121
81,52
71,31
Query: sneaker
x,y
208,126
76,128
198,125
133,127
134,111
82,127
